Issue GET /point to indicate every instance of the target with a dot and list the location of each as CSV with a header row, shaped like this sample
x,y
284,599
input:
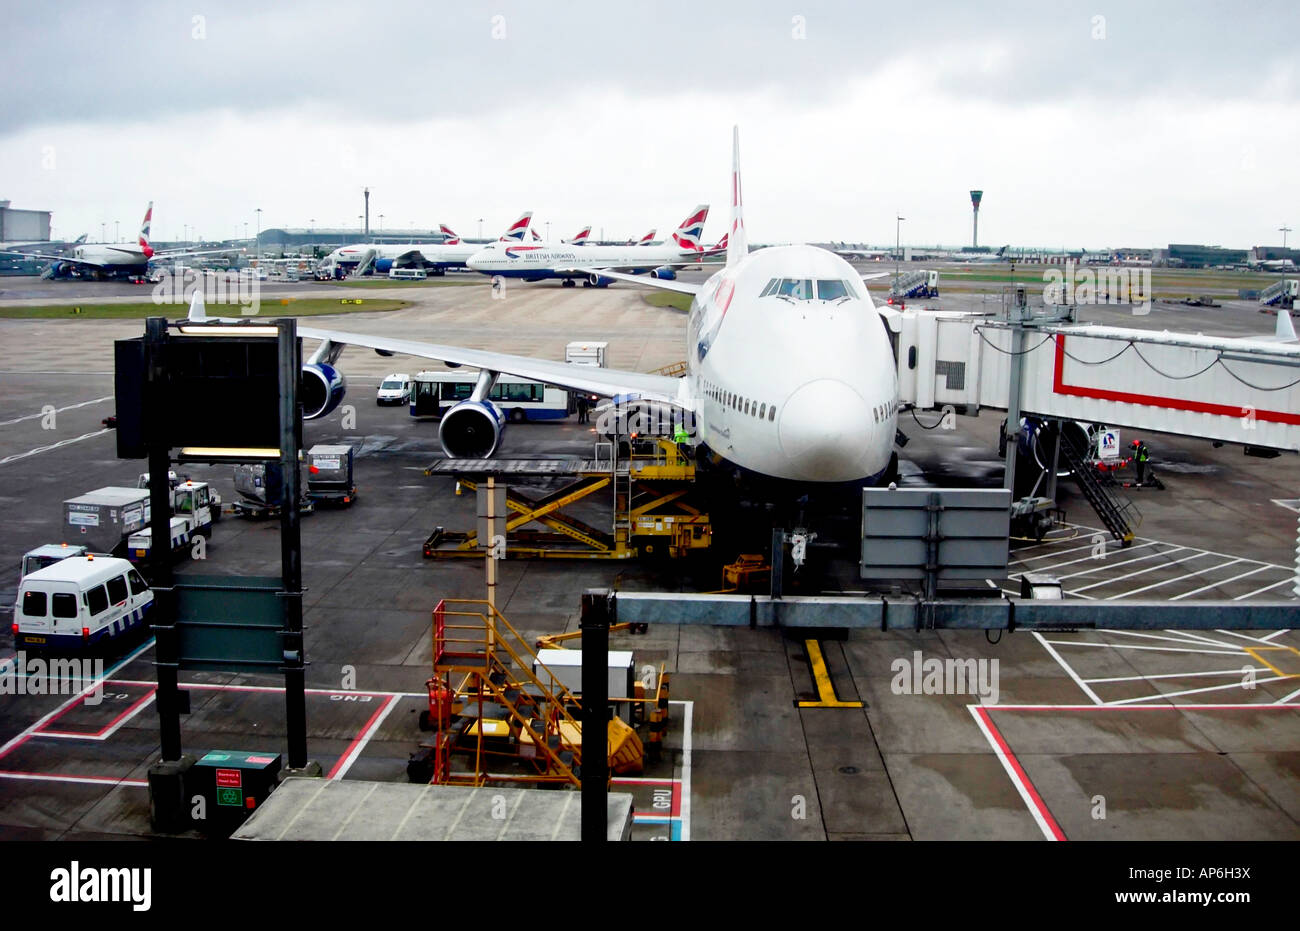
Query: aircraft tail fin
x,y
648,237
452,239
518,230
198,310
581,239
687,235
738,245
144,232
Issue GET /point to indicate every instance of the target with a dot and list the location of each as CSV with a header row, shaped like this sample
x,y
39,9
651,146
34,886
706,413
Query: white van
x,y
415,274
395,389
79,602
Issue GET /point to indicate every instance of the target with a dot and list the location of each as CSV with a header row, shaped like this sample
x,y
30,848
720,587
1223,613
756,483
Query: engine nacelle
x,y
599,281
320,389
665,272
1036,441
383,265
471,430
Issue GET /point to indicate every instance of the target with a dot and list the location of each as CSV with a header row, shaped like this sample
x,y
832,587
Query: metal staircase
x,y
473,639
1117,511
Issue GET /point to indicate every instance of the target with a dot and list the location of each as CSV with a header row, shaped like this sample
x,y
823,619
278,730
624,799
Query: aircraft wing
x,y
185,253
47,257
664,284
587,378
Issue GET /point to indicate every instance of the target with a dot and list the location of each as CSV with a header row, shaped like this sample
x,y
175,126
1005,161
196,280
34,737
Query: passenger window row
x,y
762,411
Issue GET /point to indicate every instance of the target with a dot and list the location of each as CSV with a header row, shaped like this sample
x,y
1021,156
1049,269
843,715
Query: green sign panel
x,y
231,798
230,623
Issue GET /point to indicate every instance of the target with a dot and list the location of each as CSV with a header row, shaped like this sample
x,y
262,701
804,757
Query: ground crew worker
x,y
583,403
1141,457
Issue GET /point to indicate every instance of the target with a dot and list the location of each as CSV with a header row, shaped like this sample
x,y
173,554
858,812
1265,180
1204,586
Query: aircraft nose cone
x,y
822,431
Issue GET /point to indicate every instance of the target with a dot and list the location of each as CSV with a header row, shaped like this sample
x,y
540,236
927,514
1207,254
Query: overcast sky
x,y
1086,124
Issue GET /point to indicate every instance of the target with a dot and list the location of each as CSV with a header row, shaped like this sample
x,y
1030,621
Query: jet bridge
x,y
1244,391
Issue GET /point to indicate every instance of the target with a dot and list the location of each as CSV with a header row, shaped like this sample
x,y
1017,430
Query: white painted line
x,y
1233,633
365,738
1190,575
1134,646
1217,584
1180,675
1276,633
45,449
1260,591
1068,668
1199,638
1137,572
1134,633
1012,774
1100,560
1224,555
57,410
1213,688
1127,562
83,780
1291,696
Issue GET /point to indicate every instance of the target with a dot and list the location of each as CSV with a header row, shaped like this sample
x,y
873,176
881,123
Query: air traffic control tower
x,y
975,198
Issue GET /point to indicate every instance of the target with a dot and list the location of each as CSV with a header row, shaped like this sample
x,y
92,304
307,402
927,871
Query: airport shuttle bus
x,y
79,602
518,399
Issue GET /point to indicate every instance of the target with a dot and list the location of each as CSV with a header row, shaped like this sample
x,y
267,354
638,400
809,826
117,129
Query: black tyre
x,y
517,415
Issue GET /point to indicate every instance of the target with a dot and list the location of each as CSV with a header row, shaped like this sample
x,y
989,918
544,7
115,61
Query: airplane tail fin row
x,y
452,239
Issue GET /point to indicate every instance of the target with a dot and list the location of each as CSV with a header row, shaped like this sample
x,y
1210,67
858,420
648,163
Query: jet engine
x,y
320,389
471,430
665,272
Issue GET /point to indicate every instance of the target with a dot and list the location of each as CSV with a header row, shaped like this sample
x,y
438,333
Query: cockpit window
x,y
833,289
802,289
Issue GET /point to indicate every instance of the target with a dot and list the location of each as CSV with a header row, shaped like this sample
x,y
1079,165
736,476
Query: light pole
x,y
381,226
259,235
898,225
117,231
361,220
103,236
548,230
1284,230
480,227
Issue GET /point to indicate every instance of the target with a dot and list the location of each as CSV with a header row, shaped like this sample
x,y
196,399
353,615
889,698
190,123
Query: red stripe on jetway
x,y
1178,404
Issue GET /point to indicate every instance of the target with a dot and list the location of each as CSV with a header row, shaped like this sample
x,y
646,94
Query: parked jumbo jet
x,y
108,260
431,256
536,262
790,370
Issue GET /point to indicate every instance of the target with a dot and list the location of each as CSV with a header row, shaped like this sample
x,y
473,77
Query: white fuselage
x,y
523,260
435,253
107,255
826,367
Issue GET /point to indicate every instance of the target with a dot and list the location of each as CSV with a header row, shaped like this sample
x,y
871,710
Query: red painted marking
x,y
1178,404
230,779
356,740
45,731
1055,828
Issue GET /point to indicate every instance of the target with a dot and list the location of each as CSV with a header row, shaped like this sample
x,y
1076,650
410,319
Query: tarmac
x,y
1093,735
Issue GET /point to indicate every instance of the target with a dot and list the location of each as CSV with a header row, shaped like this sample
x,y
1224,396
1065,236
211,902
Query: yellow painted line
x,y
1255,651
825,689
